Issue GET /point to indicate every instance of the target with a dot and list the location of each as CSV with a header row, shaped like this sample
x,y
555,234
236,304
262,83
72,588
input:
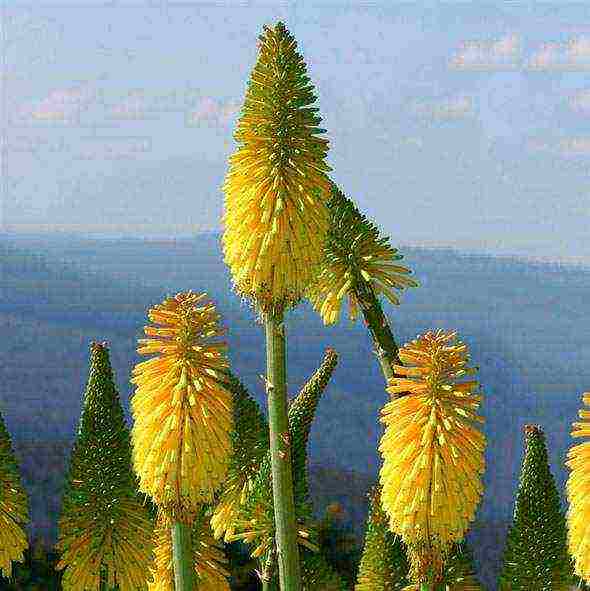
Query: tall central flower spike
x,y
354,249
275,191
182,413
433,456
578,493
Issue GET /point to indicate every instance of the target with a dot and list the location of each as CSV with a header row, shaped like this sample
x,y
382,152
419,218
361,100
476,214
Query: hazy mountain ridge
x,y
525,324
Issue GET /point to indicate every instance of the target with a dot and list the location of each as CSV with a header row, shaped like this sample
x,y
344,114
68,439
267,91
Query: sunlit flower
x,y
578,493
183,415
433,456
275,217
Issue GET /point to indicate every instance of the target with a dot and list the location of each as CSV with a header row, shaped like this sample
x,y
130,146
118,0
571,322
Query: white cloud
x,y
568,146
454,107
501,54
212,111
580,101
61,105
573,55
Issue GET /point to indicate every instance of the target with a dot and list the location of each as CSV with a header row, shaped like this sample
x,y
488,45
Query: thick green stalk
x,y
103,582
282,476
386,348
182,553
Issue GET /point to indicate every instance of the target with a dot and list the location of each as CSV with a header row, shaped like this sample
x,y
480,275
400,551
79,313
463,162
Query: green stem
x,y
282,477
103,580
182,556
386,348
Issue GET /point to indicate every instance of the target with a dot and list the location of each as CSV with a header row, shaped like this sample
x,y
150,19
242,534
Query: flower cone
x,y
182,413
275,217
104,524
578,494
433,457
353,250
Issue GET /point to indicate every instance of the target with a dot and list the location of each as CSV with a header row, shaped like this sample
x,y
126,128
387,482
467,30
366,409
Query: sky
x,y
457,124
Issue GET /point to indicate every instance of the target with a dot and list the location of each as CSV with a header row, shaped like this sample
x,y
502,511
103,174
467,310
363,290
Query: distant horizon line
x,y
576,262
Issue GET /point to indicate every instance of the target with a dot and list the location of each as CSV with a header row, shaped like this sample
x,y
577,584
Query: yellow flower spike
x,y
433,456
578,493
352,249
276,189
182,413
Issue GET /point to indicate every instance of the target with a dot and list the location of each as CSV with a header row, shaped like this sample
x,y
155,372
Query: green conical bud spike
x,y
316,574
384,565
105,528
250,444
259,504
302,411
459,570
14,507
536,555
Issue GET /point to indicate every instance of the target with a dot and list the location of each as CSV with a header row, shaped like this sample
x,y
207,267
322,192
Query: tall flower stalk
x,y
359,264
182,418
14,506
275,222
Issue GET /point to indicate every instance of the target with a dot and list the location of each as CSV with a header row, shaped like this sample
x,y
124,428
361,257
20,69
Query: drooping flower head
x,y
578,494
209,560
182,413
433,455
276,189
354,249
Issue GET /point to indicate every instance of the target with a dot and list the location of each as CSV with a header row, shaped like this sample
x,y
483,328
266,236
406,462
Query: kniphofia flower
x,y
183,414
536,554
578,494
353,249
433,456
275,214
104,522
